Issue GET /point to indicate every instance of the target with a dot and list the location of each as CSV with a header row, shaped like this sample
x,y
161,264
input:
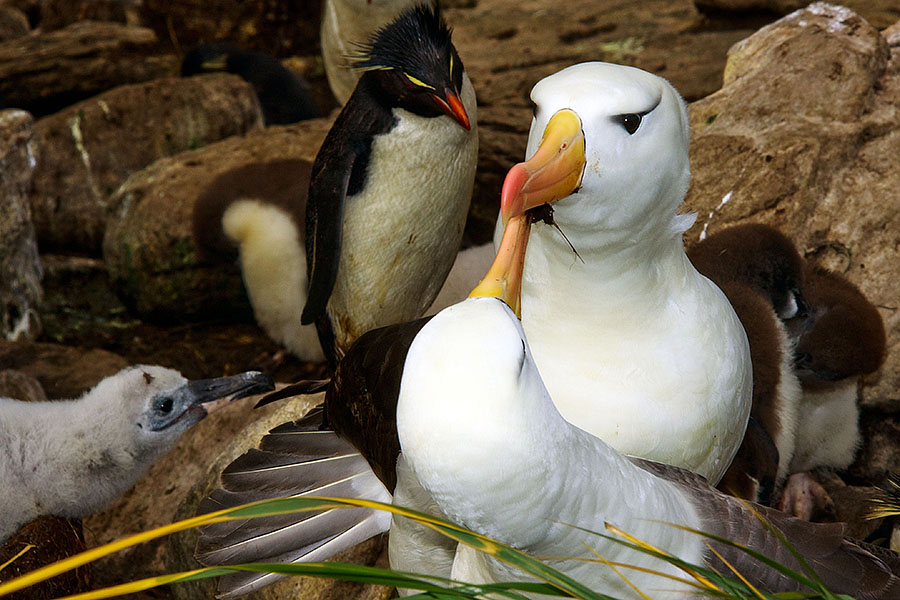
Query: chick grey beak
x,y
233,387
186,402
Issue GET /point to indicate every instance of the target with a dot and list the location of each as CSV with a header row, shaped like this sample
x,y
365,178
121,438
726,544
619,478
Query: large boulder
x,y
90,148
45,72
20,267
62,371
149,248
804,135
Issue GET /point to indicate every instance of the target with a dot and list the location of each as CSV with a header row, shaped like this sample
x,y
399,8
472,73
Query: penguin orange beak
x,y
453,107
554,171
504,278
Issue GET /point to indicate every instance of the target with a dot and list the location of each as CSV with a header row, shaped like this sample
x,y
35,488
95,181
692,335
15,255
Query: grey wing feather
x,y
295,459
845,565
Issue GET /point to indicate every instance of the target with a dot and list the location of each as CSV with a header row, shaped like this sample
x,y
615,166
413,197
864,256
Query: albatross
x,y
634,345
482,437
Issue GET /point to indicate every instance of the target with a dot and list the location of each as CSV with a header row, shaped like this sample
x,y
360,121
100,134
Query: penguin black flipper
x,y
339,172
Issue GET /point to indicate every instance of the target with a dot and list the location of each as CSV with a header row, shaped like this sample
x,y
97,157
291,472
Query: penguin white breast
x,y
402,231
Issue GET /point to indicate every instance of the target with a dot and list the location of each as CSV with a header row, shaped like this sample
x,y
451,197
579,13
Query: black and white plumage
x,y
504,462
391,184
761,272
345,25
283,95
73,457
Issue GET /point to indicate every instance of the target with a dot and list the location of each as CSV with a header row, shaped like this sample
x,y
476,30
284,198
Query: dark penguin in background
x,y
391,184
842,340
761,272
283,94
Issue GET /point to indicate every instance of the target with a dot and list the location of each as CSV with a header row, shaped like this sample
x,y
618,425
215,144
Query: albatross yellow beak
x,y
554,171
504,278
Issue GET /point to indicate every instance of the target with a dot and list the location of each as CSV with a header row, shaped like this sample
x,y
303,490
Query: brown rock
x,y
45,72
149,247
20,267
41,542
279,28
13,23
19,386
62,371
803,136
92,147
56,14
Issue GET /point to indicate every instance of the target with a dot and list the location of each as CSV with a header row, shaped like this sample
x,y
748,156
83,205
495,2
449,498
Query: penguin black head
x,y
415,66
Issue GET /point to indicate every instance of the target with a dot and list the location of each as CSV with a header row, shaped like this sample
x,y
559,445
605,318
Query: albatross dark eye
x,y
630,122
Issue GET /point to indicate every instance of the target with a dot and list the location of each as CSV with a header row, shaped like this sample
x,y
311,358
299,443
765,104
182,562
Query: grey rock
x,y
20,267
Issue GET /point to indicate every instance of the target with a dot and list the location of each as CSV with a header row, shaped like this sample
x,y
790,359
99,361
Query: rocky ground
x,y
103,150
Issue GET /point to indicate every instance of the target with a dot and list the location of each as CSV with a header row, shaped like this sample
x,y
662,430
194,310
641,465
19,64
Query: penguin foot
x,y
805,498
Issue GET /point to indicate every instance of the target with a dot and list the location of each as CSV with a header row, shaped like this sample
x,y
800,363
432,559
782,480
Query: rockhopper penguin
x,y
391,184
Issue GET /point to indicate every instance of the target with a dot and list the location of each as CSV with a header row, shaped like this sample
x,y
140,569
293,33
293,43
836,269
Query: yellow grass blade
x,y
16,557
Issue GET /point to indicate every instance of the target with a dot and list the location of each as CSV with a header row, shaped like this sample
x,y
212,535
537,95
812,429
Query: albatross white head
x,y
635,149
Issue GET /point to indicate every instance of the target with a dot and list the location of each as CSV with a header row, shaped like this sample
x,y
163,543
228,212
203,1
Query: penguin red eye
x,y
630,122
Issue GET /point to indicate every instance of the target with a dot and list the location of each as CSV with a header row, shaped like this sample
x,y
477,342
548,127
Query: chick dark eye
x,y
630,122
165,405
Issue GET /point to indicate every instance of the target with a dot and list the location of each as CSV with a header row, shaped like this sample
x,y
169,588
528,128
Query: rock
x,y
13,23
179,550
63,372
149,247
91,147
56,14
19,386
41,542
278,28
43,73
803,136
20,267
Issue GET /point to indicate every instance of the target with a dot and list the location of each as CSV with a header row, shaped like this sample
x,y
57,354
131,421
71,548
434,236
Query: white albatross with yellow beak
x,y
634,345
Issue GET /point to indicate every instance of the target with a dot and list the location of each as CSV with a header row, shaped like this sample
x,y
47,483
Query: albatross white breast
x,y
634,345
